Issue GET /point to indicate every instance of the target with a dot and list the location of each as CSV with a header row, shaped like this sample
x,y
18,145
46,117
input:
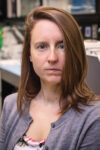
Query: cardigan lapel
x,y
20,128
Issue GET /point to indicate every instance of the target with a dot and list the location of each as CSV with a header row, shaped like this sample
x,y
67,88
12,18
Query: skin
x,y
47,57
47,54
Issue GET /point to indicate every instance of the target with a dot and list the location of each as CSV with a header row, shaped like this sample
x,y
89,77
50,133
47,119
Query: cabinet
x,y
89,22
17,8
86,13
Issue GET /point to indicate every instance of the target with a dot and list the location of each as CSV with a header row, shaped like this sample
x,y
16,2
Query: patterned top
x,y
27,143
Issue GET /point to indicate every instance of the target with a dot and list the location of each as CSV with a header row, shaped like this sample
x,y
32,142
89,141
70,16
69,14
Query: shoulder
x,y
91,126
90,113
10,101
10,105
93,107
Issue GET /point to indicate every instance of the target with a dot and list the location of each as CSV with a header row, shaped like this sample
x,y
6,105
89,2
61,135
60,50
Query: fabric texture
x,y
72,131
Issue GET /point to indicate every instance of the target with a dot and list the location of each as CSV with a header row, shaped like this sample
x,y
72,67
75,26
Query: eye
x,y
42,46
61,45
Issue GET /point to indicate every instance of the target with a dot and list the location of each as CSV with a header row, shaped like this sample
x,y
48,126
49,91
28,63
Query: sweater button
x,y
46,147
53,125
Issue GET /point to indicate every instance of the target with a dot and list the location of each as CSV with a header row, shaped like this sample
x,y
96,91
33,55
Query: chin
x,y
54,81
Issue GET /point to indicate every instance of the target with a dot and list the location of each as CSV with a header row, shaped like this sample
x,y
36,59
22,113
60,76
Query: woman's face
x,y
47,51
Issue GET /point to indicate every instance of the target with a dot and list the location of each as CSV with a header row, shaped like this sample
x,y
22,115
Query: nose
x,y
52,56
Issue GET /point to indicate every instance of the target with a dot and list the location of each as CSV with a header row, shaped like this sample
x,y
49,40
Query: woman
x,y
54,108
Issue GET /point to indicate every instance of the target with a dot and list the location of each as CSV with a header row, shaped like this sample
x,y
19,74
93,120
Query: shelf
x,y
87,18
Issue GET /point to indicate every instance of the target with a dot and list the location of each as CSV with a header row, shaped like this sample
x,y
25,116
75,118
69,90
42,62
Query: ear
x,y
31,58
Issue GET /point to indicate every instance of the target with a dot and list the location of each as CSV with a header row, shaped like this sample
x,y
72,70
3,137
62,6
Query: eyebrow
x,y
45,42
61,41
40,42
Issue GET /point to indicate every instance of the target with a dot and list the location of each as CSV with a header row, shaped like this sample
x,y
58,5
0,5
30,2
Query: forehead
x,y
45,27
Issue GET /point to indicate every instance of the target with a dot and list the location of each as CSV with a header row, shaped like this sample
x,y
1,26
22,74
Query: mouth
x,y
53,70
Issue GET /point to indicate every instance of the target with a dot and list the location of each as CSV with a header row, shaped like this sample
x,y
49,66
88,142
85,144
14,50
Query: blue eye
x,y
42,46
61,46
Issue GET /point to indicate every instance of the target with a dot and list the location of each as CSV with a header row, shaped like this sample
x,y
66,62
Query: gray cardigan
x,y
72,131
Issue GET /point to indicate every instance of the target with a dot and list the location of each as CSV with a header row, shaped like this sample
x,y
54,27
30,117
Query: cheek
x,y
37,64
36,67
62,61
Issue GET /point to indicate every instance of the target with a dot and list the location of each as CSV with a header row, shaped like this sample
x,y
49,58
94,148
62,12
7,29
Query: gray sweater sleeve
x,y
2,128
91,139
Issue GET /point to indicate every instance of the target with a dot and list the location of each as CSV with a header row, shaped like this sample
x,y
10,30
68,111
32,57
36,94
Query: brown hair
x,y
73,85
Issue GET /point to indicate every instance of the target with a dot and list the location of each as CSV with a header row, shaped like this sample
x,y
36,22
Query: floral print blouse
x,y
27,143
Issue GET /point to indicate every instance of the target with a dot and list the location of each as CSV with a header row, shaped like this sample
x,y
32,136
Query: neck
x,y
50,93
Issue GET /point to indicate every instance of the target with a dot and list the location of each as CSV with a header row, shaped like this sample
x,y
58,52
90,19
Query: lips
x,y
53,70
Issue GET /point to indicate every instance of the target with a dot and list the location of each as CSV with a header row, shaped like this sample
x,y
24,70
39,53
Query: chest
x,y
42,119
65,131
40,126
